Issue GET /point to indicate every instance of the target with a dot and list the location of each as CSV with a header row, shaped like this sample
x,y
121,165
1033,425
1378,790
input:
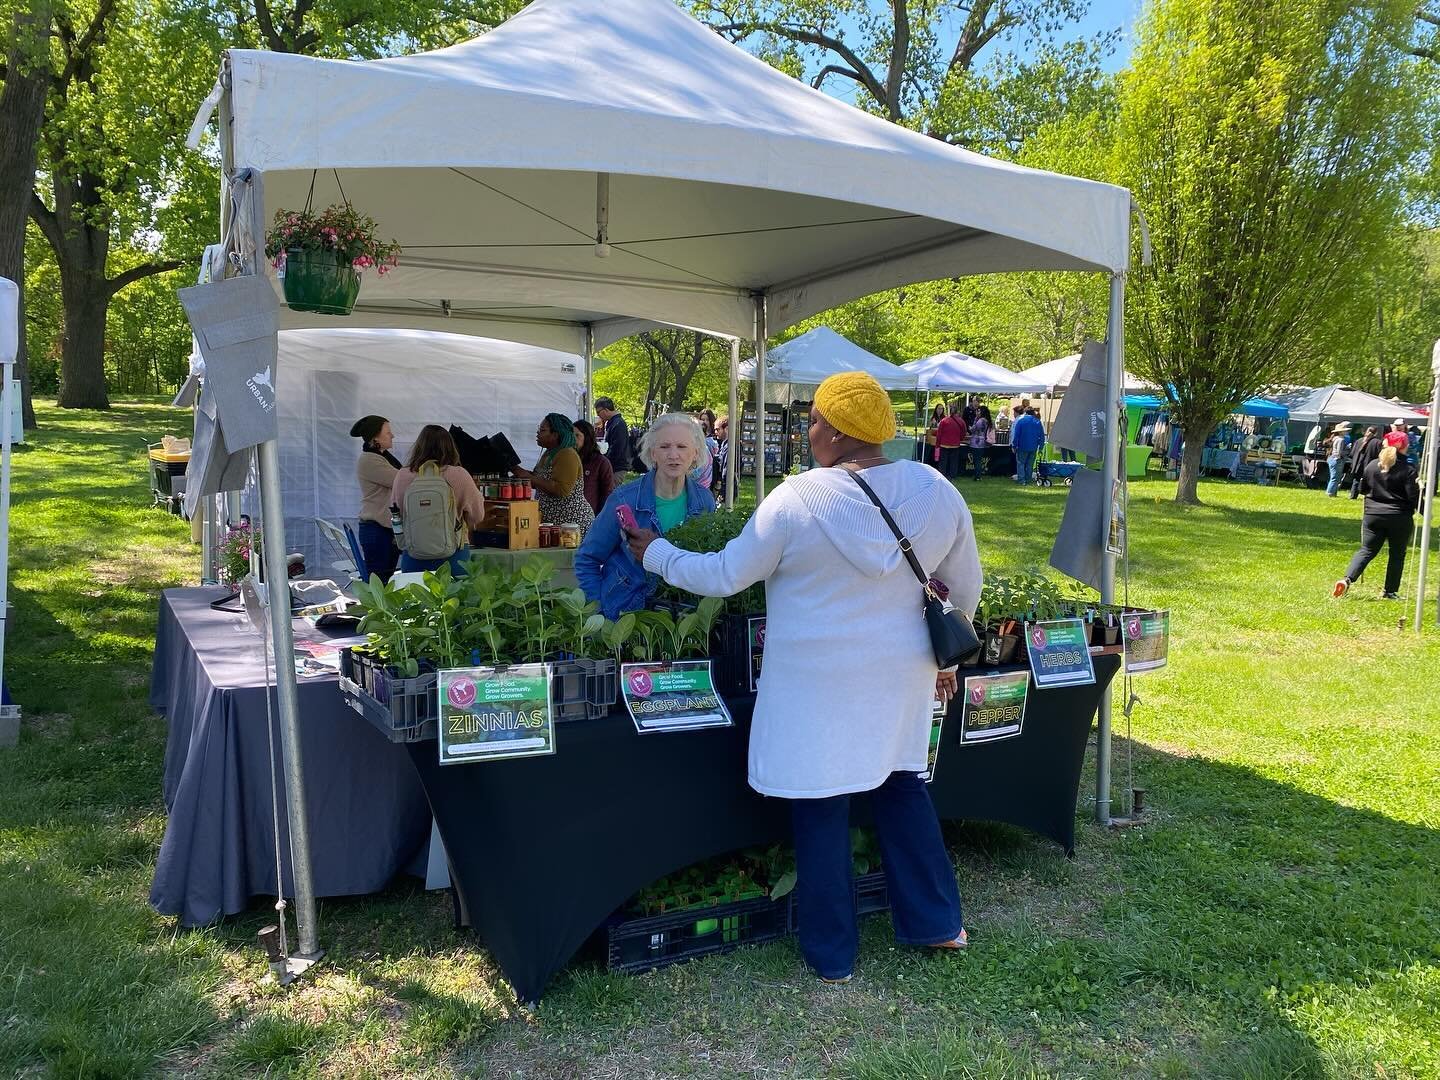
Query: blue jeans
x,y
1067,455
409,564
377,545
1334,486
924,898
1024,465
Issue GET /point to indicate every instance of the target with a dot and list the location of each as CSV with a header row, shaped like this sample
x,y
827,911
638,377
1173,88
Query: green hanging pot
x,y
318,281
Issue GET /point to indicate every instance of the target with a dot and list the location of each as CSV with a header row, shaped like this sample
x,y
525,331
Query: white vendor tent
x,y
1056,375
955,371
812,357
328,379
591,167
1346,403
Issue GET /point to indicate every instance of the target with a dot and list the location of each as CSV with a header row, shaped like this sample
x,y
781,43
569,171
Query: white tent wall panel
x,y
329,379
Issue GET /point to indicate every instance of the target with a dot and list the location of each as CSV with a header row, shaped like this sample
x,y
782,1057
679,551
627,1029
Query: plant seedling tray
x,y
655,941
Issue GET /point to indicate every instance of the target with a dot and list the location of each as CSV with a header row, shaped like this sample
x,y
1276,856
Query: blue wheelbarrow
x,y
1047,472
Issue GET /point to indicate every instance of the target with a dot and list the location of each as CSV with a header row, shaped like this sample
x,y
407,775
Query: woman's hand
x,y
523,474
639,540
945,686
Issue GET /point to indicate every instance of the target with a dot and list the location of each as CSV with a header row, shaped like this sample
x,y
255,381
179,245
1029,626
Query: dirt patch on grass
x,y
142,566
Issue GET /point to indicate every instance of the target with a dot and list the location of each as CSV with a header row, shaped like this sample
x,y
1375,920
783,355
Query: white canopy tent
x,y
1056,376
1340,402
594,166
812,357
328,379
955,371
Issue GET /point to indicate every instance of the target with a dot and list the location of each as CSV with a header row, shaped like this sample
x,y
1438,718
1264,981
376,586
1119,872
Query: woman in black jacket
x,y
1392,493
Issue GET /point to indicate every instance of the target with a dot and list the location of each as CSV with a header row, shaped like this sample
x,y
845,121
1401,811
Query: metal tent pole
x,y
9,348
1428,491
1111,471
761,332
588,406
272,519
732,429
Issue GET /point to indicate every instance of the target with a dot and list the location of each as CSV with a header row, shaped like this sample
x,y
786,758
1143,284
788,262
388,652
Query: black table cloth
x,y
368,817
542,850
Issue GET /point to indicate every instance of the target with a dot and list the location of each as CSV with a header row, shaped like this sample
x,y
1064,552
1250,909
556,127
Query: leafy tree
x,y
1268,142
669,368
25,76
897,58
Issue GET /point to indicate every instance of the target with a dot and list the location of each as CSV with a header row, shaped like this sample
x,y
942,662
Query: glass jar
x,y
570,535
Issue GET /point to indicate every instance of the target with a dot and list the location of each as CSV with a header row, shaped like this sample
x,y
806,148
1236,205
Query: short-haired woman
x,y
559,477
434,444
660,498
1392,493
599,475
375,469
850,676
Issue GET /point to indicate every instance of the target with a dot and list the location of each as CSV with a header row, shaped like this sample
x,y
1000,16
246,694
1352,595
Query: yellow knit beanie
x,y
856,405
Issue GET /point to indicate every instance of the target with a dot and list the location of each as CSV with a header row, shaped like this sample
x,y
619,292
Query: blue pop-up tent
x,y
1255,406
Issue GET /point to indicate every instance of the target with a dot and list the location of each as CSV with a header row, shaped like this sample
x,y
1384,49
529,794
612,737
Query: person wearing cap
x,y
1335,456
375,469
1398,437
845,701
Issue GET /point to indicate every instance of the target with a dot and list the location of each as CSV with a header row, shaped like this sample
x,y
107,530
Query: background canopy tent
x,y
812,357
1336,403
597,162
328,379
956,371
1255,406
1056,375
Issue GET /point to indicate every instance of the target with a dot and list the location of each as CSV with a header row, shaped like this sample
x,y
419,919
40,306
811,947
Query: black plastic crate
x,y
583,689
730,649
381,717
657,941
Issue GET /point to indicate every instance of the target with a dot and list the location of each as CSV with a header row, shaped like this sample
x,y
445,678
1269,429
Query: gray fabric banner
x,y
212,467
235,323
1080,423
1077,551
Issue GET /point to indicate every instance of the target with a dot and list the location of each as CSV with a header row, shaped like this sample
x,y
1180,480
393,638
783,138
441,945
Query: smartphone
x,y
626,517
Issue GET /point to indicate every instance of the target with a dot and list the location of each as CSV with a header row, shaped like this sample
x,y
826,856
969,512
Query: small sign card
x,y
1147,640
1059,653
994,706
490,713
672,695
755,642
937,725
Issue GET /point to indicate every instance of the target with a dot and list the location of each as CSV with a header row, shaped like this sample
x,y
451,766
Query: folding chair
x,y
352,560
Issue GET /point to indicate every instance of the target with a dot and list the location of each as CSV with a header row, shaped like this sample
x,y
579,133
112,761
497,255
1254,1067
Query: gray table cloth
x,y
369,820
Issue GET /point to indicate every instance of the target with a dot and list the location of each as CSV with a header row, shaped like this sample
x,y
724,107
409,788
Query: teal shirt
x,y
671,512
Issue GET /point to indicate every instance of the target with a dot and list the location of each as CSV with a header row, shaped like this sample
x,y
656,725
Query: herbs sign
x,y
490,713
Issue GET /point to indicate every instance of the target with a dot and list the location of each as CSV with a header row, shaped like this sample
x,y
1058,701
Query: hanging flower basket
x,y
321,256
318,281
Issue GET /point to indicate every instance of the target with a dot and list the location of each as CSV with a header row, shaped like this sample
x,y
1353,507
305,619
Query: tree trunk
x,y
1187,491
86,294
22,109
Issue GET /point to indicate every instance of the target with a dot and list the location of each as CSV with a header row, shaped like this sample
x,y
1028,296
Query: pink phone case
x,y
626,516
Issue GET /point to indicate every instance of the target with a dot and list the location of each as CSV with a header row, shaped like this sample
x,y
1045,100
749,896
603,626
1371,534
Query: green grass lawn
x,y
1277,914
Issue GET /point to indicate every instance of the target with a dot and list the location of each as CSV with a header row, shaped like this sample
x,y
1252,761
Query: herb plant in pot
x,y
321,255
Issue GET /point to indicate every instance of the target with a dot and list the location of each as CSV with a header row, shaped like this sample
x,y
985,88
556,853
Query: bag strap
x,y
903,540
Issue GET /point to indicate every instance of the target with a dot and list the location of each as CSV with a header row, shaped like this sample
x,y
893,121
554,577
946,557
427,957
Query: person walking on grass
x,y
850,679
1392,494
1366,451
1026,439
1335,456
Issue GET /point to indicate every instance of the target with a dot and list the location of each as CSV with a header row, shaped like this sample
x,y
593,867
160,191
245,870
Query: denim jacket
x,y
606,570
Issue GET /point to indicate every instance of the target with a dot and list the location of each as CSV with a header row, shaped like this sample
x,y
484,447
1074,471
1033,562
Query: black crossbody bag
x,y
952,635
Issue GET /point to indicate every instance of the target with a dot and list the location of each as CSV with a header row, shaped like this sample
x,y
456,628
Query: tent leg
x,y
587,407
761,333
1115,419
732,433
7,403
1432,457
273,522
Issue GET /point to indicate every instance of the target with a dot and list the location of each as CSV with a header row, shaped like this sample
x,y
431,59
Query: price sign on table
x,y
1059,653
1147,640
672,695
490,713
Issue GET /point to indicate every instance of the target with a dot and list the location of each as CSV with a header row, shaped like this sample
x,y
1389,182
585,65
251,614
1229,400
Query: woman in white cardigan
x,y
845,698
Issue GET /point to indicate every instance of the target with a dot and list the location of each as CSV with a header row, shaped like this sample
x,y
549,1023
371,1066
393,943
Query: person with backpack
x,y
438,503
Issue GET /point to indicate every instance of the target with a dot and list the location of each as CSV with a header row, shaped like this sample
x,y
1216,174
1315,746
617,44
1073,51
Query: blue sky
x,y
1106,15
